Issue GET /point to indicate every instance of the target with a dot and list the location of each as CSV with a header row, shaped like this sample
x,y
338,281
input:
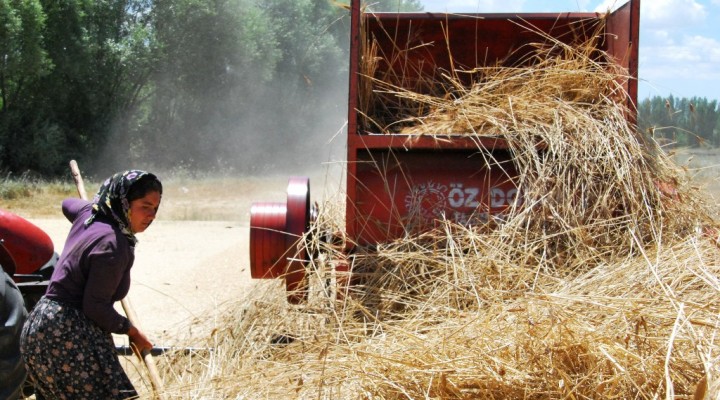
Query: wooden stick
x,y
145,354
75,170
127,307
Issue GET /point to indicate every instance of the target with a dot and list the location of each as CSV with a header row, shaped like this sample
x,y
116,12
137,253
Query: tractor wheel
x,y
12,318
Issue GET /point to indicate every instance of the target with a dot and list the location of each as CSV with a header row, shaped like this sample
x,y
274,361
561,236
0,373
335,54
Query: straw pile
x,y
603,283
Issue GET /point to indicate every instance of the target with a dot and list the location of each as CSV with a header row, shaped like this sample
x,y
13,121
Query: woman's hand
x,y
139,342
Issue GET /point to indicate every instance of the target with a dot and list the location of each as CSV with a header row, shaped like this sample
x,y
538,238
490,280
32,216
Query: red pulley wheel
x,y
276,246
298,223
267,240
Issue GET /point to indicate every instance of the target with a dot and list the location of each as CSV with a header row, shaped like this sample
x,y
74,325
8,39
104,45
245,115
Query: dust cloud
x,y
295,125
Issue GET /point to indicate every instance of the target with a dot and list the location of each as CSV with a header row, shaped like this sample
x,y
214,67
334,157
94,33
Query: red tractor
x,y
396,182
28,258
27,254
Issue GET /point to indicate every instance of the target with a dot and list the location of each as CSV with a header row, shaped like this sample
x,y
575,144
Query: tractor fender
x,y
28,245
12,318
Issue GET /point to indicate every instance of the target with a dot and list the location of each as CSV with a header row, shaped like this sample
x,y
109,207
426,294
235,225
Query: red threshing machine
x,y
395,182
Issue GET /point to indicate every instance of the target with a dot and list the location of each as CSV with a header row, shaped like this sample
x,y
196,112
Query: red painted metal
x,y
276,233
28,245
267,240
298,223
622,41
399,184
386,172
408,193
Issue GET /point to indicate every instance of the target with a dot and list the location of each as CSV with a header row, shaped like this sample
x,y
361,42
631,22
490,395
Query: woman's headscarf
x,y
111,200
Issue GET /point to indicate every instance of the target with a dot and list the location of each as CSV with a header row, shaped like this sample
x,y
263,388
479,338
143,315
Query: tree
x,y
71,68
242,84
213,57
23,61
681,121
702,119
394,5
237,78
657,115
91,44
22,56
310,86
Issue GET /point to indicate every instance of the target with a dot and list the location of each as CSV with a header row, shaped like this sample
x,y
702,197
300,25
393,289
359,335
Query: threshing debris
x,y
603,284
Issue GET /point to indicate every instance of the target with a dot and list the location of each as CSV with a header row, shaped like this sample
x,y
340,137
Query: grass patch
x,y
33,197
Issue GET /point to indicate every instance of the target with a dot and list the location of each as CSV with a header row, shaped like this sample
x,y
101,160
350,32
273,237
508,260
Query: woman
x,y
66,341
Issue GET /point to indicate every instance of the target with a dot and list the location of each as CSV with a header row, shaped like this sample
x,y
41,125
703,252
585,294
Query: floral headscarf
x,y
111,200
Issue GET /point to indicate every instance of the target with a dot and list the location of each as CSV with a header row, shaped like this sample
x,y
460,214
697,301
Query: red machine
x,y
398,184
25,247
27,254
28,258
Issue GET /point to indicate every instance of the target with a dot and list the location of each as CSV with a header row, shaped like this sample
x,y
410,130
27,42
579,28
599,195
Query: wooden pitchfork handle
x,y
129,311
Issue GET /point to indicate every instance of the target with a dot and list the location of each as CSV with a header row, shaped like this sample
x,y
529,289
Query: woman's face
x,y
143,211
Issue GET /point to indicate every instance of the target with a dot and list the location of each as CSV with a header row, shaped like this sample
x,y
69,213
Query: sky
x,y
679,39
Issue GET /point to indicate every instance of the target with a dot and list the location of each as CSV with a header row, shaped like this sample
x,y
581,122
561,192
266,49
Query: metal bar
x,y
125,350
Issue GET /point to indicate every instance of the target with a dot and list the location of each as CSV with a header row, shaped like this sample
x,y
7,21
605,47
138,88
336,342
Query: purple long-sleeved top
x,y
93,271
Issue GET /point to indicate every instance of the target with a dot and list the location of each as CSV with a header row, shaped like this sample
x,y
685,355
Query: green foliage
x,y
215,56
685,122
24,58
82,64
24,63
239,85
14,188
394,5
236,78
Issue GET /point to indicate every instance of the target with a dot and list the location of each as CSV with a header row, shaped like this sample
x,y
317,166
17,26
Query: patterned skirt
x,y
69,357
